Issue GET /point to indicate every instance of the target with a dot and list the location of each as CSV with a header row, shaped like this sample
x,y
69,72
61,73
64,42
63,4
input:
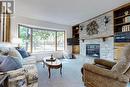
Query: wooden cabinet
x,y
118,50
75,49
121,29
75,38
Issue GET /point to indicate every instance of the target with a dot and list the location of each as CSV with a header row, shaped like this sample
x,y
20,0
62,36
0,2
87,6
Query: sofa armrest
x,y
31,73
16,73
103,62
105,72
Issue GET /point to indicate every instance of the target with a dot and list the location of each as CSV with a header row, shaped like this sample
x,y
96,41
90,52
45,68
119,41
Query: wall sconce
x,y
106,20
81,27
104,39
83,40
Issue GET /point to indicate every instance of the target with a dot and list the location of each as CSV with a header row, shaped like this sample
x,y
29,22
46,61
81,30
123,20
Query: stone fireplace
x,y
106,50
103,37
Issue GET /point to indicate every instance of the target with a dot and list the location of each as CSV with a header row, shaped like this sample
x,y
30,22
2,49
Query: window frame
x,y
31,39
64,40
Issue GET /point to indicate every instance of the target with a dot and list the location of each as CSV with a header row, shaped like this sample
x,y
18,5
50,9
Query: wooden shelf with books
x,y
122,18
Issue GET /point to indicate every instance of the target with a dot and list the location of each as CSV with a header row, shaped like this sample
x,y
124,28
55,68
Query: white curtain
x,y
4,25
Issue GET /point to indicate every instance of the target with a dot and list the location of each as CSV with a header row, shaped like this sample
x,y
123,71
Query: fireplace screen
x,y
93,50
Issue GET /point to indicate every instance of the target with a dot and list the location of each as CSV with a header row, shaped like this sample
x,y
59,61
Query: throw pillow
x,y
2,58
14,53
123,65
23,52
9,63
17,62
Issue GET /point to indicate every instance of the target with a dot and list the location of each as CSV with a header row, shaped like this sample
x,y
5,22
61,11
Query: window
x,y
43,40
36,40
25,35
60,40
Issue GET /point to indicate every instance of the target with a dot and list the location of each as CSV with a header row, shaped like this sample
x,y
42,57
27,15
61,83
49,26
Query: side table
x,y
4,80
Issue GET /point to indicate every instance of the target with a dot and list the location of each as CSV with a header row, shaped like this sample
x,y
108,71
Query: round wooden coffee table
x,y
57,64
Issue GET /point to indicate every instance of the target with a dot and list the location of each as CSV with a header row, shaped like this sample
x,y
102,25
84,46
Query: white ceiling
x,y
68,12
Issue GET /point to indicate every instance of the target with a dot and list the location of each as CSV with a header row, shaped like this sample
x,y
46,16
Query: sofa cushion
x,y
126,53
123,65
29,60
9,63
67,55
58,54
23,52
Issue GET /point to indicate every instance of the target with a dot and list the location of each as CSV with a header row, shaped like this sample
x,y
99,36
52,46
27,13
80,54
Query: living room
x,y
64,43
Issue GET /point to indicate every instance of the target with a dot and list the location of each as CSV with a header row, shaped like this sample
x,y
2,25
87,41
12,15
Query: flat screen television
x,y
69,41
72,41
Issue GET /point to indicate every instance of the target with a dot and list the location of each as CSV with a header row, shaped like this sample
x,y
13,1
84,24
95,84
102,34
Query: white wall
x,y
15,20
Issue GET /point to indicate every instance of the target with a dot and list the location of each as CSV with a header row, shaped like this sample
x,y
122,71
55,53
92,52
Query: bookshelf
x,y
121,29
122,19
75,38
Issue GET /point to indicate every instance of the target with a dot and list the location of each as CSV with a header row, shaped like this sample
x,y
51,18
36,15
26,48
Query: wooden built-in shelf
x,y
75,36
121,29
122,16
120,24
121,32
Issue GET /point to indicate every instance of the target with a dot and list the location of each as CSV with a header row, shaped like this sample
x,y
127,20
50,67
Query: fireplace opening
x,y
93,50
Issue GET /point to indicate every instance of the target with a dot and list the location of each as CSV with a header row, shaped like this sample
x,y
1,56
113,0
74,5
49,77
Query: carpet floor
x,y
71,74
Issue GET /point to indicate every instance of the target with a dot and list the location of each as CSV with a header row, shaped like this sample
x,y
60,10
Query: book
x,y
125,28
127,19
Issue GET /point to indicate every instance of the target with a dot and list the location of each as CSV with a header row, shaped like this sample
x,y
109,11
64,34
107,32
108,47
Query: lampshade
x,y
16,40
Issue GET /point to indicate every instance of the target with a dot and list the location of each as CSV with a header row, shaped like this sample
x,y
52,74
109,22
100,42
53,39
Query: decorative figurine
x,y
51,57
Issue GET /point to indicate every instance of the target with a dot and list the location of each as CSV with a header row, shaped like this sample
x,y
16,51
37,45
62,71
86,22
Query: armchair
x,y
105,73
